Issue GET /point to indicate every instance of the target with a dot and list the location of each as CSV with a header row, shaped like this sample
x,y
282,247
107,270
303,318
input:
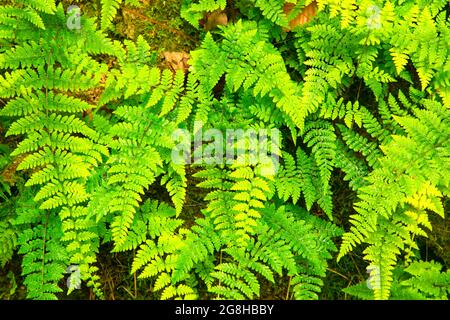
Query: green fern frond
x,y
392,210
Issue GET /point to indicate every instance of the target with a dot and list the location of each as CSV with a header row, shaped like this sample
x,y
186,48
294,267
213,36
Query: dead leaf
x,y
216,18
303,17
129,25
9,173
177,60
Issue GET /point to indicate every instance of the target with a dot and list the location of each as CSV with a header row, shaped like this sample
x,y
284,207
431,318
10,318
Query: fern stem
x,y
361,80
338,273
134,278
44,247
288,288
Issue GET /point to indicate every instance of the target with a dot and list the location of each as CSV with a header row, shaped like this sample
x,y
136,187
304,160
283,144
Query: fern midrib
x,y
44,246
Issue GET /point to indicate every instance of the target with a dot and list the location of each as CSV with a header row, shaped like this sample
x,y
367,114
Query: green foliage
x,y
109,10
44,258
60,148
8,242
410,182
251,65
140,151
419,281
426,281
356,102
304,176
193,12
352,46
283,243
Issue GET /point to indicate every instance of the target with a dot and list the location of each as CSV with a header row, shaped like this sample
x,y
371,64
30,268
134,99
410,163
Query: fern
x,y
251,64
193,12
44,258
110,8
304,176
392,210
59,147
8,242
427,280
354,96
252,238
140,152
419,281
159,254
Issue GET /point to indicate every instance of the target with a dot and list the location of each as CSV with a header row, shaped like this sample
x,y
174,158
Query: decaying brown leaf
x,y
303,17
216,18
177,60
9,174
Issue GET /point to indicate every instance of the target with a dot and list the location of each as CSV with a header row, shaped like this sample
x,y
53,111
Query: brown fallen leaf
x,y
303,17
9,174
216,18
177,60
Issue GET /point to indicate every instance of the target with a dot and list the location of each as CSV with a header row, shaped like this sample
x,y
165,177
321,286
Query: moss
x,y
159,22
